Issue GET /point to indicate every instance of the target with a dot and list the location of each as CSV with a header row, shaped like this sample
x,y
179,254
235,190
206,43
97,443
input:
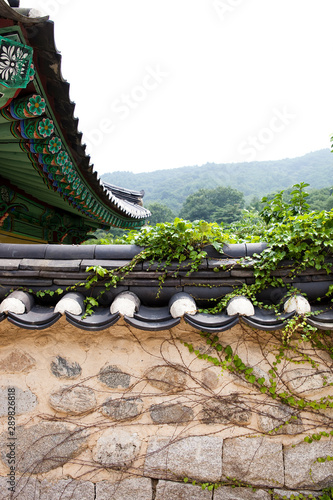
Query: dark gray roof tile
x,y
281,273
27,282
300,279
206,293
107,297
64,282
321,277
322,313
173,266
252,248
168,283
314,289
261,326
158,318
153,326
50,265
320,325
241,273
235,250
200,283
115,252
269,316
312,271
63,252
272,295
212,320
22,251
153,314
210,327
101,319
15,274
209,275
223,264
108,264
154,295
38,318
79,277
9,264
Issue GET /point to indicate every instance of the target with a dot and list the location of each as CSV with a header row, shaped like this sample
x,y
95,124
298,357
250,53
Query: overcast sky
x,y
171,83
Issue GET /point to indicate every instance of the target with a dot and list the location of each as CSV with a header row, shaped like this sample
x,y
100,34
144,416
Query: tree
x,y
321,199
160,213
316,199
222,204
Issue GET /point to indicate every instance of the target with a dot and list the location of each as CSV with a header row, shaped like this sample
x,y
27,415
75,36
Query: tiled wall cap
x,y
252,248
72,303
297,303
17,302
115,252
64,252
182,303
234,250
126,303
241,306
22,251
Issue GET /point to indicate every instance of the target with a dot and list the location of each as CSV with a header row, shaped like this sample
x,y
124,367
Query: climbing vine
x,y
296,240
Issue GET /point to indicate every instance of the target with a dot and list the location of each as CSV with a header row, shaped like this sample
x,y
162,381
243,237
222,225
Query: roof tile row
x,y
37,317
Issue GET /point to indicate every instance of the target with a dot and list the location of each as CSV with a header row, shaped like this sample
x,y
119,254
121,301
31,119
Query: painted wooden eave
x,y
104,207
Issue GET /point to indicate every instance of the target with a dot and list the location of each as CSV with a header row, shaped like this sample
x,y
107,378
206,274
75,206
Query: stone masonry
x,y
132,414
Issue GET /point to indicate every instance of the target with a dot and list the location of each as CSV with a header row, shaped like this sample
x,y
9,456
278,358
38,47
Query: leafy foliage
x,y
159,213
277,209
170,241
222,204
292,233
178,240
296,234
327,494
250,227
304,239
113,237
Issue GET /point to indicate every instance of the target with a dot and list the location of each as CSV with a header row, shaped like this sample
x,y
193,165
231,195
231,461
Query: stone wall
x,y
128,414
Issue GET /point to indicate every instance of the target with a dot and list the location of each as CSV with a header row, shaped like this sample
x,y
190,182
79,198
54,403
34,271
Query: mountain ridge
x,y
254,179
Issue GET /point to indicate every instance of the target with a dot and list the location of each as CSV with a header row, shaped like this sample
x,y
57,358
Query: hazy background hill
x,y
255,179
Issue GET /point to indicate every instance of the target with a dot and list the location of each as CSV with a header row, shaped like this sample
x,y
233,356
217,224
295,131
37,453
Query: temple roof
x,y
44,170
57,268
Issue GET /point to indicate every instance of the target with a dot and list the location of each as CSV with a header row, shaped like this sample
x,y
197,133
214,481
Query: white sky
x,y
171,83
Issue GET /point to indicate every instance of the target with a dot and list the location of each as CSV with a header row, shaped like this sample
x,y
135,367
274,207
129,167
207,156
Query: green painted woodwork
x,y
34,128
36,161
22,108
21,216
7,94
16,68
43,146
50,146
69,187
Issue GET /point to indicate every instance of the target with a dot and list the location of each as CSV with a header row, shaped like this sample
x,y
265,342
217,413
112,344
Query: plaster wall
x,y
137,413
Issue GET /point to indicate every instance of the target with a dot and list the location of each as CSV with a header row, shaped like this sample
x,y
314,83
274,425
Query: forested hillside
x,y
255,179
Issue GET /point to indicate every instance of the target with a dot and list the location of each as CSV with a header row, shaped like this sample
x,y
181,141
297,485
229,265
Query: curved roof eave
x,y
105,207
